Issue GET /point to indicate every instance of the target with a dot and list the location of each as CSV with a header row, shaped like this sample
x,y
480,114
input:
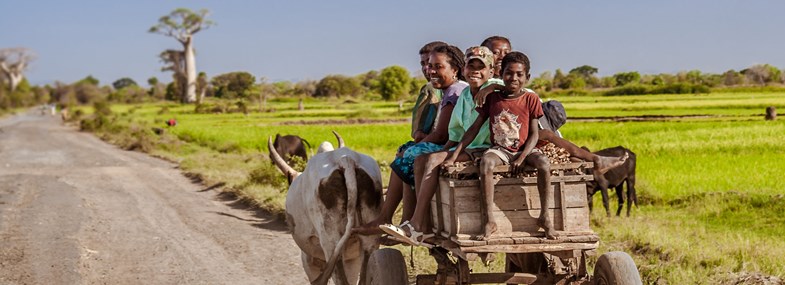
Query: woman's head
x,y
479,66
445,66
425,53
515,71
499,46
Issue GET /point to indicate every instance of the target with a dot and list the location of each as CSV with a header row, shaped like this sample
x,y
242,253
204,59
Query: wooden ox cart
x,y
530,257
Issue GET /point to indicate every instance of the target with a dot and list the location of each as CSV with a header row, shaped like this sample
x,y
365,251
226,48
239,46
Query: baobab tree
x,y
181,24
174,61
13,63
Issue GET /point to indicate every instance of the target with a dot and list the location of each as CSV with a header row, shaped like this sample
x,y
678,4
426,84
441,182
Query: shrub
x,y
229,147
680,88
267,173
99,119
102,108
630,89
233,85
206,108
394,82
674,88
78,114
751,89
242,107
140,140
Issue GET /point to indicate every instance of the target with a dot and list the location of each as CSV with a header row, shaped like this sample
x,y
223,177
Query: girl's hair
x,y
455,58
516,57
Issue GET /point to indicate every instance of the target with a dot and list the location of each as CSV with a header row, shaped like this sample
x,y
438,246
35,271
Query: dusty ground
x,y
75,210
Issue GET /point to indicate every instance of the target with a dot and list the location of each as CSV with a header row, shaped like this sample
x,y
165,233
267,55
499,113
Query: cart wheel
x,y
386,267
616,268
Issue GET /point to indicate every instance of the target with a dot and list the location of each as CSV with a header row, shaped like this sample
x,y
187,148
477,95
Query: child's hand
x,y
450,161
479,99
517,165
419,135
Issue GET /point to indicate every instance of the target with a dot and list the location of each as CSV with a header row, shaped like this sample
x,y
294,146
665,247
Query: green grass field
x,y
711,189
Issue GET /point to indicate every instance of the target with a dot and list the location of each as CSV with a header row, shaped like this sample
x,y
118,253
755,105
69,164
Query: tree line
x,y
393,83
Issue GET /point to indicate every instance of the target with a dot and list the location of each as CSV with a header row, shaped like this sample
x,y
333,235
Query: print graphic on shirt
x,y
506,129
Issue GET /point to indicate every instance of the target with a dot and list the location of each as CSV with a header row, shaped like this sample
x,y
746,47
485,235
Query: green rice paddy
x,y
709,170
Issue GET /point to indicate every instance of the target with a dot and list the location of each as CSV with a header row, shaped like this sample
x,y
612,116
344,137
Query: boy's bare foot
x,y
605,163
546,223
490,228
371,228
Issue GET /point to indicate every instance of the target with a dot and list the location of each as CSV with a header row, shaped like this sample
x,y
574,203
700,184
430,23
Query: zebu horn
x,y
340,139
282,165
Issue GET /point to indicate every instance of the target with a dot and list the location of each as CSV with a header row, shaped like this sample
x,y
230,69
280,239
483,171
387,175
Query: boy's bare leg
x,y
391,201
543,166
489,161
427,179
601,163
410,198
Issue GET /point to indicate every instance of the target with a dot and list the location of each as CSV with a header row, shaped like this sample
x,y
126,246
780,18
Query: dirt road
x,y
75,210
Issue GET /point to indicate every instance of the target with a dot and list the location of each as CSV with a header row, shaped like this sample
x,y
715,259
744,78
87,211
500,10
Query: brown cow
x,y
290,145
614,179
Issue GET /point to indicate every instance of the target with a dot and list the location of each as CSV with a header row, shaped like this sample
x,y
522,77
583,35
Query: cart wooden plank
x,y
542,247
514,196
483,278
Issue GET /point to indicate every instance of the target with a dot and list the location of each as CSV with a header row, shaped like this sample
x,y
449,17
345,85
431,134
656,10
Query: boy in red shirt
x,y
513,114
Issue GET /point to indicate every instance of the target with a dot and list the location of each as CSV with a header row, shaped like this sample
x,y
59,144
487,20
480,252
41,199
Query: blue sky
x,y
295,40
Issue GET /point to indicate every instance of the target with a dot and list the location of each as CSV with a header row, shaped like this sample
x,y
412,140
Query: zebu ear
x,y
287,170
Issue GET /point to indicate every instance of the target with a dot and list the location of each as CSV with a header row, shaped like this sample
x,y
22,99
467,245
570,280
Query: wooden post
x,y
300,105
400,106
439,212
563,202
262,102
771,113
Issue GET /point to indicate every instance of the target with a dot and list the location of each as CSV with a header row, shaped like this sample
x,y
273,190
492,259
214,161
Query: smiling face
x,y
424,65
442,74
476,73
515,77
499,48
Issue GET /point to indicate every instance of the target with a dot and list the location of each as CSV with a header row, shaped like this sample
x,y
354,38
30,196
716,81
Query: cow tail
x,y
309,148
350,177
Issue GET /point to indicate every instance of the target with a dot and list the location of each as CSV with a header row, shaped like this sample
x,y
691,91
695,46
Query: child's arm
x,y
455,129
449,145
467,139
531,141
479,98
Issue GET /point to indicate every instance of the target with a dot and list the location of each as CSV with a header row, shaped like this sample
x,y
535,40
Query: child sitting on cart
x,y
513,113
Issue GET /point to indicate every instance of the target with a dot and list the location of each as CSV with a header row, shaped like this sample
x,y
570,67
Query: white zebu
x,y
319,218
